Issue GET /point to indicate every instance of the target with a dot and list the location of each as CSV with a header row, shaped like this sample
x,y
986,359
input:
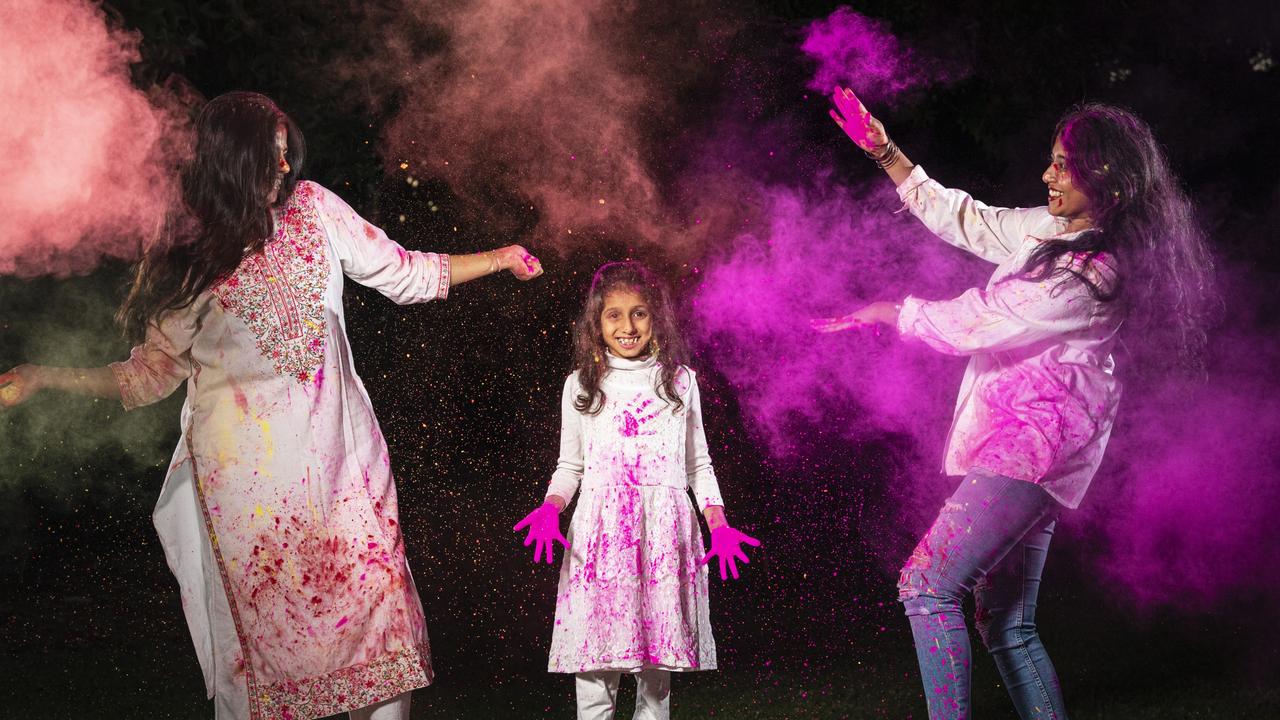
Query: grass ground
x,y
61,658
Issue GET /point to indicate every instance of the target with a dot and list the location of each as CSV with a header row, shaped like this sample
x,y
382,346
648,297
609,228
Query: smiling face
x,y
281,164
626,323
1065,199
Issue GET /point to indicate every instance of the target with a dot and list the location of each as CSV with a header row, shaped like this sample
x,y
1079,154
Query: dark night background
x,y
467,391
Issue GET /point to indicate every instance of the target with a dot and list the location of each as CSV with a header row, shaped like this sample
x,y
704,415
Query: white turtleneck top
x,y
637,438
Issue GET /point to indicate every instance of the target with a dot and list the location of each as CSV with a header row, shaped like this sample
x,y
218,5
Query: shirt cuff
x,y
908,314
129,391
442,289
913,182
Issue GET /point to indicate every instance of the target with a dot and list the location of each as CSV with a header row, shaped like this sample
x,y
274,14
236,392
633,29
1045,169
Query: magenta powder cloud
x,y
857,51
820,251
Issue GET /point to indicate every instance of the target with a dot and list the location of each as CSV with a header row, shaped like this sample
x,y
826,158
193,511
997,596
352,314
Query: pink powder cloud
x,y
84,174
537,105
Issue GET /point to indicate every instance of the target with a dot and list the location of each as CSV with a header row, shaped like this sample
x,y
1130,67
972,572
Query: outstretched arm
x,y
869,316
1016,312
512,257
19,384
153,371
374,260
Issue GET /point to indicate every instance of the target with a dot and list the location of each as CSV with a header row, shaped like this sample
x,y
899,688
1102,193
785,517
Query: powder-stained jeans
x,y
991,539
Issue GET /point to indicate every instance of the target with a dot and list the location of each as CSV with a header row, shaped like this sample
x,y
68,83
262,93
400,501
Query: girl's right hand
x,y
544,529
19,384
853,117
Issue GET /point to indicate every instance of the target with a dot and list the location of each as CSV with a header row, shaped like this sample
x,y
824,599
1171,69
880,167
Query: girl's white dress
x,y
278,515
632,594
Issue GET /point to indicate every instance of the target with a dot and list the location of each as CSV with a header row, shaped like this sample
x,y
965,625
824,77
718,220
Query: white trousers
x,y
598,694
396,708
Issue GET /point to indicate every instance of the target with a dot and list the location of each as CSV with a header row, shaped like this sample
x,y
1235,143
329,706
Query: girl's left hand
x,y
867,317
726,544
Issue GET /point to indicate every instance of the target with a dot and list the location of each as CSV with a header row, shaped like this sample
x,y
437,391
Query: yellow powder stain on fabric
x,y
268,446
226,425
222,424
315,516
291,567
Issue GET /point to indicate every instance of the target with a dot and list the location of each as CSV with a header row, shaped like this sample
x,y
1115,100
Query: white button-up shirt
x,y
1038,397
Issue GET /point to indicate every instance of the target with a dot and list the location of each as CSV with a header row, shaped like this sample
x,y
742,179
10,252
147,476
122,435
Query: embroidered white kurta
x,y
632,594
278,515
1038,397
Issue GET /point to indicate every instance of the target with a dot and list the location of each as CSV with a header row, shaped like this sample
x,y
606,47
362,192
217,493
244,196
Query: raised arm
x,y
992,233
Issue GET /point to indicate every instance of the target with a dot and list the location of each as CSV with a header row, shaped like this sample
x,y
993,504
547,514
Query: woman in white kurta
x,y
278,515
1038,399
633,587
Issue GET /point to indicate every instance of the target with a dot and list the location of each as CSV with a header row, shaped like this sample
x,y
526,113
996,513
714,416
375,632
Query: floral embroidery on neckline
x,y
279,292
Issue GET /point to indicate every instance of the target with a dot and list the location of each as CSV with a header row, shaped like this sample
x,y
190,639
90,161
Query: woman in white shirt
x,y
1115,246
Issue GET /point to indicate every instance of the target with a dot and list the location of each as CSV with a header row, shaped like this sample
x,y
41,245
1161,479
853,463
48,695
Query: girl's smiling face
x,y
626,323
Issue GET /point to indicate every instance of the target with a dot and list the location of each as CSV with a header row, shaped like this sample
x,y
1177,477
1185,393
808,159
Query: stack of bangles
x,y
885,156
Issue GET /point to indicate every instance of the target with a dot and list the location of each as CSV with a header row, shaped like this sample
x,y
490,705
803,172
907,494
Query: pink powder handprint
x,y
631,421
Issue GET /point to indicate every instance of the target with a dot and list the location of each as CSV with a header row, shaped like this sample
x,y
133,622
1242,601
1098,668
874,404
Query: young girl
x,y
1116,245
633,592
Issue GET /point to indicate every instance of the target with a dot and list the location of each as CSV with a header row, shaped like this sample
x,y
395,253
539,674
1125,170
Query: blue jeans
x,y
991,538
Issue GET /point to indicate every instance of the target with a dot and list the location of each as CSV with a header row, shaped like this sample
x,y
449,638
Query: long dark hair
x,y
1164,279
590,352
225,215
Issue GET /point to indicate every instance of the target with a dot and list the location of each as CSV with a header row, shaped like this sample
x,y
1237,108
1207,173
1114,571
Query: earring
x,y
653,347
595,355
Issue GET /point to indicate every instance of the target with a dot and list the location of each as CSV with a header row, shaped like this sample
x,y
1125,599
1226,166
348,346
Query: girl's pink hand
x,y
544,529
853,117
726,544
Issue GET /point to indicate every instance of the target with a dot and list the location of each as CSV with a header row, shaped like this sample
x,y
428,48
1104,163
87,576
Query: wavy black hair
x,y
224,215
590,351
1163,279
